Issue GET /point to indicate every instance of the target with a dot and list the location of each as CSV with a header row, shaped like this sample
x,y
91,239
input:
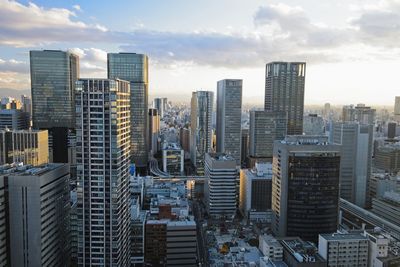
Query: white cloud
x,y
13,66
77,7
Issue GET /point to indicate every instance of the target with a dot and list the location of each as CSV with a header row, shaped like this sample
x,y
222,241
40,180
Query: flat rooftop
x,y
28,170
346,236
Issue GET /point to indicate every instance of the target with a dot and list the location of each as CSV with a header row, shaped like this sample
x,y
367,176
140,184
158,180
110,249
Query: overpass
x,y
158,174
370,218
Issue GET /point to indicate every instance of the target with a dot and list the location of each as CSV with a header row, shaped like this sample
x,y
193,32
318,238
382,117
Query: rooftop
x,y
343,236
303,251
305,140
27,170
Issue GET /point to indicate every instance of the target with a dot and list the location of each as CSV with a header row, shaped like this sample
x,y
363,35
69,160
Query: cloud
x,y
281,32
13,66
77,7
93,62
29,25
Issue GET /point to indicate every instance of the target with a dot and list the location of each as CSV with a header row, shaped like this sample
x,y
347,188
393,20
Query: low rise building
x,y
344,249
270,247
299,253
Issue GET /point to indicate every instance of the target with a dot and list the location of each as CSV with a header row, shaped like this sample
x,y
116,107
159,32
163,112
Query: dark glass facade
x,y
134,68
313,195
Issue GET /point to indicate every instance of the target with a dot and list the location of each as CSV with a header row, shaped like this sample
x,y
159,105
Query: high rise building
x,y
305,187
4,235
220,169
397,105
184,136
359,113
391,130
14,119
356,160
387,158
103,137
154,130
229,117
256,192
265,128
39,214
347,249
26,104
161,105
201,128
53,77
133,67
245,147
284,92
313,125
26,146
173,158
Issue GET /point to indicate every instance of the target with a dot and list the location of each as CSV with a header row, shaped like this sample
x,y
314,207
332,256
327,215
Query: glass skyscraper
x,y
229,117
102,155
284,92
53,77
201,128
305,187
133,67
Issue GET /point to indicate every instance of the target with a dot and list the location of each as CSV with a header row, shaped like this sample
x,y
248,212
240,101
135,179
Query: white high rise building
x,y
103,136
220,169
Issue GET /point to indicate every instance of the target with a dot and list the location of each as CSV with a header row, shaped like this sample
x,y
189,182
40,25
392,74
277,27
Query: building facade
x,y
103,146
26,146
347,249
284,92
265,128
154,130
229,117
39,210
201,128
53,77
220,169
305,187
14,119
355,167
134,68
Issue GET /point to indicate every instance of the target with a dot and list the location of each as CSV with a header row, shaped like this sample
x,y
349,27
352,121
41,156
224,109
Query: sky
x,y
351,47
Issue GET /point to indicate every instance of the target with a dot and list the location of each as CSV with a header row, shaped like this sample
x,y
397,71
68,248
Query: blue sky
x,y
351,46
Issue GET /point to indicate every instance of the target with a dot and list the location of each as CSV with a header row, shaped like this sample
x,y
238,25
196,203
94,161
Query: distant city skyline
x,y
351,52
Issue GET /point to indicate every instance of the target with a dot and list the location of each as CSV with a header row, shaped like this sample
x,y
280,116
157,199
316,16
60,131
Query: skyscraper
x,y
39,213
305,187
154,130
161,105
229,115
133,67
201,128
265,128
103,137
53,77
359,113
397,106
355,167
220,169
284,92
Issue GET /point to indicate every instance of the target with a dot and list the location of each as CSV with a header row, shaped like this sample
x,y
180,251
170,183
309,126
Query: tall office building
x,y
220,169
359,113
26,104
265,128
391,130
355,167
397,106
313,125
284,92
39,214
4,235
26,146
229,117
53,77
133,67
154,130
201,128
103,136
245,147
305,187
161,105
